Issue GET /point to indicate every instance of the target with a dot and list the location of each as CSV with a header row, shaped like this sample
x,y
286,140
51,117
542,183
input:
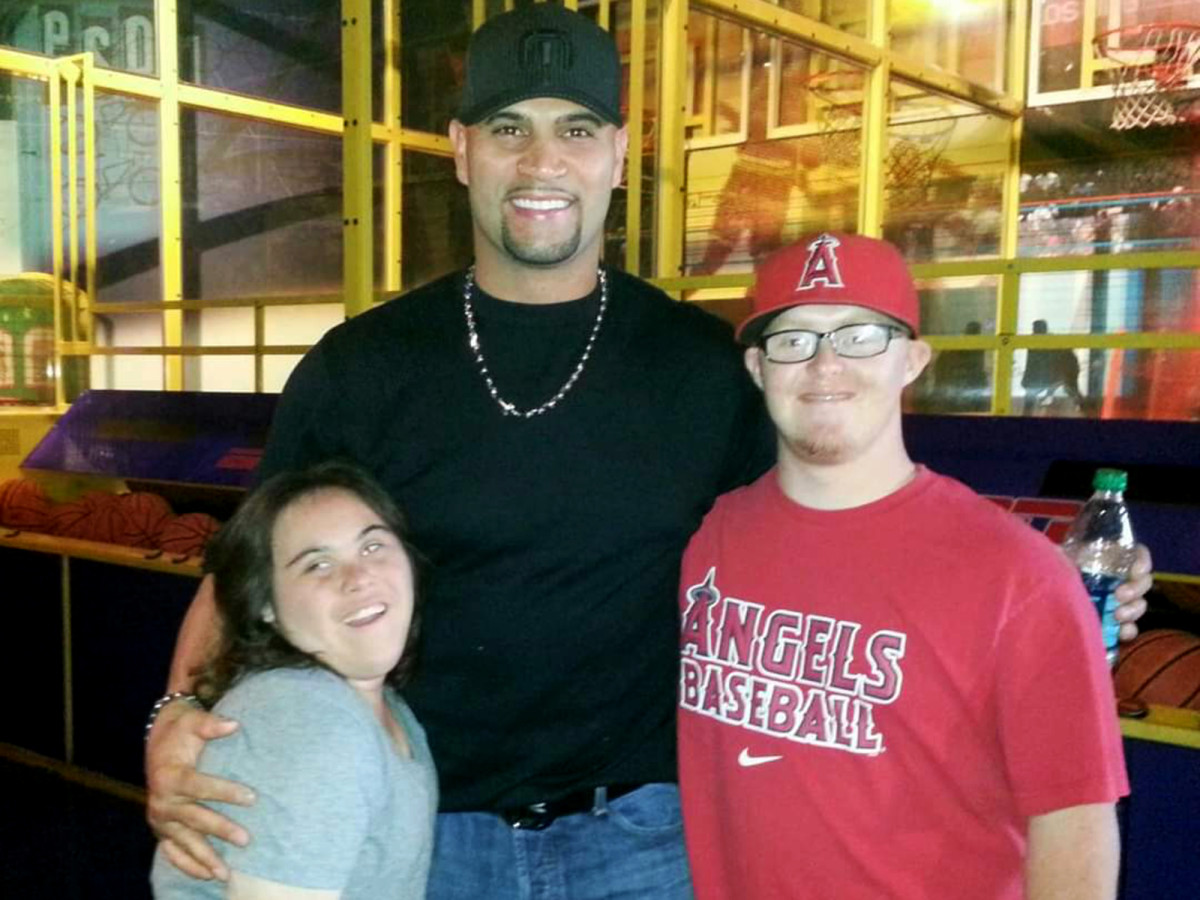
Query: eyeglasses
x,y
796,345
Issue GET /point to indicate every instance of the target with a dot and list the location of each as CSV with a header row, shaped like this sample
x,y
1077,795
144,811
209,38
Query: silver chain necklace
x,y
510,409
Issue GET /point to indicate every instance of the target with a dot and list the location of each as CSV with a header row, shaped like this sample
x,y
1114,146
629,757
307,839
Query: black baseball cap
x,y
543,50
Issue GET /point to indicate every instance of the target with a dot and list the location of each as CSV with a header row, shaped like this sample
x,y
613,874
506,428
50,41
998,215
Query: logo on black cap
x,y
545,52
541,50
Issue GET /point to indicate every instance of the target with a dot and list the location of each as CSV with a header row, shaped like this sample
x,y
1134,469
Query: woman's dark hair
x,y
239,558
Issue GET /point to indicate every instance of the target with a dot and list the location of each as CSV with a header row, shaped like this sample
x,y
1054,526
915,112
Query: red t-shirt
x,y
873,701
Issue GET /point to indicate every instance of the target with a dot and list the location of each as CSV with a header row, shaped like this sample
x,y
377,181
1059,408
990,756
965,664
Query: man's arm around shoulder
x,y
1073,854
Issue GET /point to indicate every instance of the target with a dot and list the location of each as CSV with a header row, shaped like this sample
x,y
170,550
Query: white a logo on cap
x,y
821,267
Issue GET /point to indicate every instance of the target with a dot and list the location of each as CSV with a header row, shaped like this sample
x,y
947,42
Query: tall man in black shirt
x,y
555,432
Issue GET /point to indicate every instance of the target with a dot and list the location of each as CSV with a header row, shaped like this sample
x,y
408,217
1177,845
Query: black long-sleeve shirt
x,y
549,637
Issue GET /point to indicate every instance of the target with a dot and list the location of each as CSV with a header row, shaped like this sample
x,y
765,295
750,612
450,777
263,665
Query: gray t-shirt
x,y
337,808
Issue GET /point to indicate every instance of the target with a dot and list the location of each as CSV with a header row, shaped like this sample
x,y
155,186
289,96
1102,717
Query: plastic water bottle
x,y
1101,544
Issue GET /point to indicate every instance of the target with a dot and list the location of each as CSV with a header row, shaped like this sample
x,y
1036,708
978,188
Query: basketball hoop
x,y
1153,64
840,116
914,148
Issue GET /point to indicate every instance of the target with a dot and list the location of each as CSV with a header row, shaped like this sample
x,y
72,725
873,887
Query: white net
x,y
913,148
839,117
1154,66
914,151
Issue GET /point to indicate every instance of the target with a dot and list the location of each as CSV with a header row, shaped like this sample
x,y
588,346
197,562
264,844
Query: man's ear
x,y
919,354
458,140
753,358
621,140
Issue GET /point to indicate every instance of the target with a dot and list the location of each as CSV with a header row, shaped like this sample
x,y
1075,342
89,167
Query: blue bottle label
x,y
1101,587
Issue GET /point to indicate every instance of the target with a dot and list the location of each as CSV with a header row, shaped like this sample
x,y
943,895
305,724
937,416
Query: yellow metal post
x,y
1089,64
260,341
358,227
83,301
874,125
70,71
637,103
1010,280
672,112
393,173
56,228
169,181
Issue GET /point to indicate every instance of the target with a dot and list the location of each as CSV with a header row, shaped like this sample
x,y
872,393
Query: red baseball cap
x,y
834,268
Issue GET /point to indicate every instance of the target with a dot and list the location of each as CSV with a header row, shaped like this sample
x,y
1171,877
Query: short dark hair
x,y
240,560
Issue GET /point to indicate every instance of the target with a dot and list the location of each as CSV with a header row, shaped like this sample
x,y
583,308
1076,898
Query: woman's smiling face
x,y
343,585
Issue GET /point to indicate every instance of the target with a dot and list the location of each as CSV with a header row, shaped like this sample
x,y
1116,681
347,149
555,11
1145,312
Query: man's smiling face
x,y
540,174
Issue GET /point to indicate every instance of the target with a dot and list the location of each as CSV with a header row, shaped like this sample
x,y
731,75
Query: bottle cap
x,y
1110,480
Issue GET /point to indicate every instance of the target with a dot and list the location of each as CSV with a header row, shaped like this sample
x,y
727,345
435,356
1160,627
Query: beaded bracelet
x,y
162,702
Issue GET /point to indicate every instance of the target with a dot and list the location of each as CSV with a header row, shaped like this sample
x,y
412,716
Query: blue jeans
x,y
629,848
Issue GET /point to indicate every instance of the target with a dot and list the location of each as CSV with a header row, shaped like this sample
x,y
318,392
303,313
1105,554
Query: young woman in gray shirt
x,y
317,593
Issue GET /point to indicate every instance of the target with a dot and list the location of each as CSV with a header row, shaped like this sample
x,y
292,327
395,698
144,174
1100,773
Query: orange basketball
x,y
24,505
1160,667
71,520
107,523
94,500
146,515
186,535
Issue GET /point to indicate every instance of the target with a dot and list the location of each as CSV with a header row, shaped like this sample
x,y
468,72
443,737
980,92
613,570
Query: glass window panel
x,y
276,369
128,214
730,65
300,324
1110,302
959,306
262,209
832,91
284,50
127,373
1115,384
140,373
120,35
968,39
955,381
723,61
25,235
26,288
1140,192
379,247
615,236
379,30
437,219
218,327
433,48
214,374
844,15
128,330
943,172
797,170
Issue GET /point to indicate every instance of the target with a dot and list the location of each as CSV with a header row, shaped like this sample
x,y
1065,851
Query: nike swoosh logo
x,y
746,760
